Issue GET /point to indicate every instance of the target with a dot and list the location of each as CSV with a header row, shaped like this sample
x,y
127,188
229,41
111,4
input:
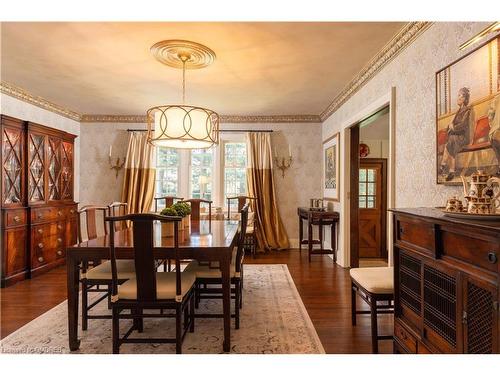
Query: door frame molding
x,y
388,99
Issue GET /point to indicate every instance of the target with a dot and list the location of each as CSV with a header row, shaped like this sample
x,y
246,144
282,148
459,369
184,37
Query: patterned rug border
x,y
291,283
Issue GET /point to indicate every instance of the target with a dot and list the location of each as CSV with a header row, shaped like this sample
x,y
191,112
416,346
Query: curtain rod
x,y
220,131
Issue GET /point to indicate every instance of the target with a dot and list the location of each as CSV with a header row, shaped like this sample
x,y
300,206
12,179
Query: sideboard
x,y
38,213
446,283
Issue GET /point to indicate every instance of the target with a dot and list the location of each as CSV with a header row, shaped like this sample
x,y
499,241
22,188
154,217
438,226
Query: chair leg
x,y
353,305
237,293
373,314
138,322
241,288
116,331
191,308
178,329
196,295
186,316
85,302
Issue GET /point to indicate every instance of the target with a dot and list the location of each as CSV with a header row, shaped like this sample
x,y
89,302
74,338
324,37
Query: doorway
x,y
369,194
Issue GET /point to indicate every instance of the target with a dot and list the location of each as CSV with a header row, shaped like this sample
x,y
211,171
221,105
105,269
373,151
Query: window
x,y
235,160
367,187
214,173
167,171
201,173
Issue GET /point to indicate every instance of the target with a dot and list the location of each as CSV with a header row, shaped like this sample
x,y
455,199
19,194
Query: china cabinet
x,y
38,210
446,279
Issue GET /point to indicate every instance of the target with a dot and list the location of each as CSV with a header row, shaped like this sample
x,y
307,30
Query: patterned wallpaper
x,y
16,108
301,182
412,73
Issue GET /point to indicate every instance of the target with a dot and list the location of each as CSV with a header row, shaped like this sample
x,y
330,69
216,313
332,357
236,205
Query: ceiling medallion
x,y
168,51
182,125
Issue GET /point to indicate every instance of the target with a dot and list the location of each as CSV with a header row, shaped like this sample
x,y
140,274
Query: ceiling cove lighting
x,y
181,125
495,26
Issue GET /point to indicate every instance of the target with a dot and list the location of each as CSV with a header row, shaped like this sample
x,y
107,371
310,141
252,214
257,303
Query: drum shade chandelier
x,y
182,126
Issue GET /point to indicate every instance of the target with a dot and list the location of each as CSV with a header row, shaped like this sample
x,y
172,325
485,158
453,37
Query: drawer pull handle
x,y
59,252
59,226
492,257
59,240
39,216
59,213
40,230
40,245
72,211
17,219
40,259
401,231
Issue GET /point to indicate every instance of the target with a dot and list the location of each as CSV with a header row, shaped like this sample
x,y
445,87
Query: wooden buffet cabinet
x,y
446,279
39,215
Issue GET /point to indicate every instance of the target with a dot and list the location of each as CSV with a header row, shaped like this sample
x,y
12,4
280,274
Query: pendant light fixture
x,y
181,125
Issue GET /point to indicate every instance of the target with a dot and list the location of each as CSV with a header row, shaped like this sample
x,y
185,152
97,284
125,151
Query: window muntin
x,y
235,179
367,188
167,172
201,173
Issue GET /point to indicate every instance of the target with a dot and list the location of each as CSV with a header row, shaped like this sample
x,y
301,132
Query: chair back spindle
x,y
144,259
196,208
169,201
241,239
90,216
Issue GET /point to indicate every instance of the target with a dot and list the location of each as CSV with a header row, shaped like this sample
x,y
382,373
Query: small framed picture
x,y
331,168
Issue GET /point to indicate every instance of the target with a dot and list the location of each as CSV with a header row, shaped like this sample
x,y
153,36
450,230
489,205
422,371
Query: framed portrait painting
x,y
468,115
331,168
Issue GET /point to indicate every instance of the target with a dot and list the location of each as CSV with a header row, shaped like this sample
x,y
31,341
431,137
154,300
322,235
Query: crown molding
x,y
25,96
224,119
398,43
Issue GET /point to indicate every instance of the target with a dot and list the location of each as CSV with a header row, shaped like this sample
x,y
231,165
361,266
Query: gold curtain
x,y
270,231
139,182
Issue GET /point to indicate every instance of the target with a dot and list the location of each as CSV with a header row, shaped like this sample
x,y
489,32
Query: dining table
x,y
207,241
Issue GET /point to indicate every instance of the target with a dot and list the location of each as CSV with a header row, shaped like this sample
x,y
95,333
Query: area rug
x,y
273,320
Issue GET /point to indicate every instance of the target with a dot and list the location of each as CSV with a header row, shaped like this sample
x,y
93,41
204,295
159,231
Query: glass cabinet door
x,y
54,171
12,165
36,168
67,170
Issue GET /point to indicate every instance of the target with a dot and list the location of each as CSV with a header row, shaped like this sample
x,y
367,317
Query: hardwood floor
x,y
324,289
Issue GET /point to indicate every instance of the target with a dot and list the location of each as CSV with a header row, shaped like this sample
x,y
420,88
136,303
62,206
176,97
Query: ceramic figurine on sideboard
x,y
480,193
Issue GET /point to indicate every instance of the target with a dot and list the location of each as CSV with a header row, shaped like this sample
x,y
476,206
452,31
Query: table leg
x,y
226,302
321,234
301,233
309,237
73,288
334,242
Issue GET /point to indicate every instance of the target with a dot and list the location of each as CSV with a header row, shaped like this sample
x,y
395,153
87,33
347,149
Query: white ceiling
x,y
261,68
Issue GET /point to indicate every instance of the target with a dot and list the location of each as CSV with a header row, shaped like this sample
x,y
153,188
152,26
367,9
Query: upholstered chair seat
x,y
377,280
165,286
211,270
125,268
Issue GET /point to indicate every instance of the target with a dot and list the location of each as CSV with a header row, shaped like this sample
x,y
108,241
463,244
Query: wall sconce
x,y
118,165
284,163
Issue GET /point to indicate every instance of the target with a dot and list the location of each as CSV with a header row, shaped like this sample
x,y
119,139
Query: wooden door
x,y
372,198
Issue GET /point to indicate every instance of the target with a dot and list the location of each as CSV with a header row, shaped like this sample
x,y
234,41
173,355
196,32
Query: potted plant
x,y
183,209
167,229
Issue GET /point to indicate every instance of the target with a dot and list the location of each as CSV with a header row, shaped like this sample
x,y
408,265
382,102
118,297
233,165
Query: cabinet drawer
x,y
478,252
40,215
15,217
40,232
405,338
71,212
417,234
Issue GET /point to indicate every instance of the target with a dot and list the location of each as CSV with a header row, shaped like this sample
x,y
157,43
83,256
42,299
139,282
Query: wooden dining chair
x,y
169,201
118,209
150,289
96,276
196,208
250,238
209,275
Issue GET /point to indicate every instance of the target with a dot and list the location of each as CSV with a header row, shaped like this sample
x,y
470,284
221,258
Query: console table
x,y
319,218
